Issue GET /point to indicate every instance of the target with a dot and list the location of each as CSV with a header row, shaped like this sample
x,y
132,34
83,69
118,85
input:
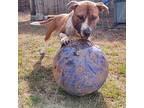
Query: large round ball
x,y
80,68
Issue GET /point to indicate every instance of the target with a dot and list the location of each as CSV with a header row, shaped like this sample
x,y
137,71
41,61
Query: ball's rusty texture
x,y
80,68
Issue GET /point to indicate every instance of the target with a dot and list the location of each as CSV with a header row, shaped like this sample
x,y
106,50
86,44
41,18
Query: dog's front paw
x,y
65,42
64,39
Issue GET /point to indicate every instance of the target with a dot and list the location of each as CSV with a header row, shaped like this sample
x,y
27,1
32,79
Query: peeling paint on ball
x,y
80,68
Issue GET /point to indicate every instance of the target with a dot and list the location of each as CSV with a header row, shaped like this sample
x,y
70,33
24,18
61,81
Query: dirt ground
x,y
37,88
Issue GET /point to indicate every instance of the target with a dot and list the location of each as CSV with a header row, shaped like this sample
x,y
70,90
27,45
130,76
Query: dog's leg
x,y
51,27
43,48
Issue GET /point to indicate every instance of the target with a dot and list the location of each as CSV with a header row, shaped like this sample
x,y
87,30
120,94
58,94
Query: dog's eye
x,y
81,17
94,17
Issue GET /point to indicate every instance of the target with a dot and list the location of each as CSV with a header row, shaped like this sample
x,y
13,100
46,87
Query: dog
x,y
79,23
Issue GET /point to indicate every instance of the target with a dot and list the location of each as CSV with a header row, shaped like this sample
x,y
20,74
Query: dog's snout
x,y
87,32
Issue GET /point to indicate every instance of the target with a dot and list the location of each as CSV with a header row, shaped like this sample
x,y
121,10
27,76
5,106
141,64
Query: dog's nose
x,y
87,32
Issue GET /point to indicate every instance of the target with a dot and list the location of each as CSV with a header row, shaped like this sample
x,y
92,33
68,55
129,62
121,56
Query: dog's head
x,y
86,16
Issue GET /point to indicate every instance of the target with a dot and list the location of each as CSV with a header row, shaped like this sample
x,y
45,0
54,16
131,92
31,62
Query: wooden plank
x,y
32,7
39,9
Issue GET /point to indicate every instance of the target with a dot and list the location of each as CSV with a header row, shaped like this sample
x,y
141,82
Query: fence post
x,y
32,7
37,9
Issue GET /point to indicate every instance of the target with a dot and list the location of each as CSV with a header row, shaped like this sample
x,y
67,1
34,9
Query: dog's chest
x,y
69,27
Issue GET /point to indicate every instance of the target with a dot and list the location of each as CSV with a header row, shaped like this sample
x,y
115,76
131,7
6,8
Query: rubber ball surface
x,y
80,68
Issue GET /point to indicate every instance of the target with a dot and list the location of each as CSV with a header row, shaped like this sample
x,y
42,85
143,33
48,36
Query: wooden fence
x,y
41,8
23,5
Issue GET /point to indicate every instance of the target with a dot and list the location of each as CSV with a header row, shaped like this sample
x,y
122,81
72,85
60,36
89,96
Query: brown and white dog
x,y
79,23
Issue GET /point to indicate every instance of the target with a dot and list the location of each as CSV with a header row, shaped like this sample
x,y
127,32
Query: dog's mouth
x,y
84,38
83,34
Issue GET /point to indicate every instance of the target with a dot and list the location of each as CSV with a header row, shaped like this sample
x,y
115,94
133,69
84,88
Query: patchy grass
x,y
37,88
122,69
35,99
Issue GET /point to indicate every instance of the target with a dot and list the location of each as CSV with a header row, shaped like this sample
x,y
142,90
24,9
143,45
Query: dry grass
x,y
37,88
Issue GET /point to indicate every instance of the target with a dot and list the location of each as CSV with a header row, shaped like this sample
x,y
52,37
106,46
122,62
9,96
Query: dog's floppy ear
x,y
102,7
72,5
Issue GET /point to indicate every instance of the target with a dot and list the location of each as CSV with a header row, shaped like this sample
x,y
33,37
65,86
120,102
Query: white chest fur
x,y
69,26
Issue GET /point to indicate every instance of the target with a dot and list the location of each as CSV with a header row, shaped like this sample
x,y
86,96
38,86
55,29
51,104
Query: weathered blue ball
x,y
80,68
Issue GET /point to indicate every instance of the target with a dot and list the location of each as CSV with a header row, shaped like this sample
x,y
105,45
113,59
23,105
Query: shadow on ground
x,y
45,93
94,100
